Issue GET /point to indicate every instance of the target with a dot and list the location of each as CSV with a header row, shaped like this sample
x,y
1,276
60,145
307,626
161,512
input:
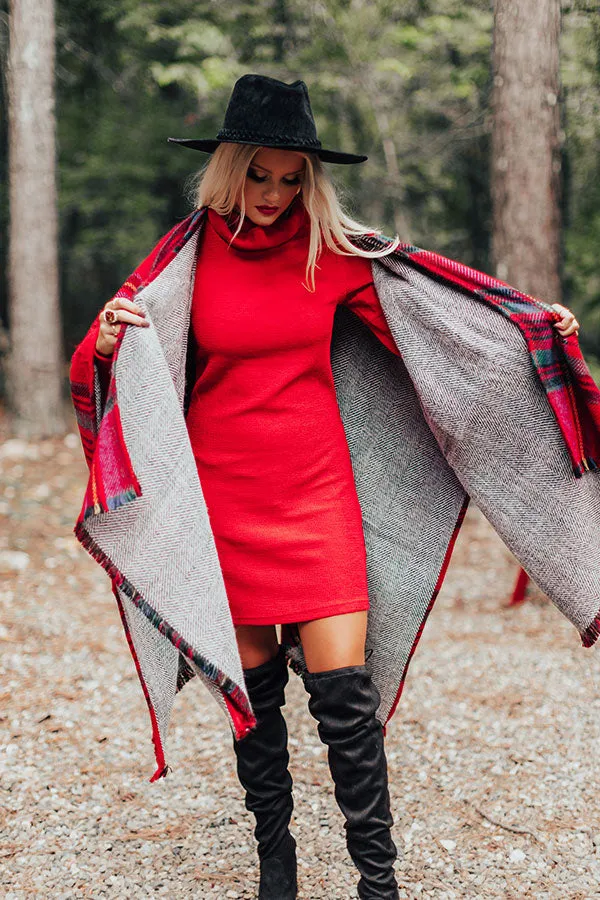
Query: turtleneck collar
x,y
293,222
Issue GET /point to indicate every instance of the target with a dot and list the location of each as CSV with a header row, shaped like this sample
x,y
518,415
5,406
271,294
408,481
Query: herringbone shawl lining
x,y
409,496
491,417
162,542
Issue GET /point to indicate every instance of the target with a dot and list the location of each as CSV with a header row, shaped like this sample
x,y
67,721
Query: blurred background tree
x,y
526,147
410,84
35,358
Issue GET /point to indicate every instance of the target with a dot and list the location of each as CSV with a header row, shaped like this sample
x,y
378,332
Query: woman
x,y
275,259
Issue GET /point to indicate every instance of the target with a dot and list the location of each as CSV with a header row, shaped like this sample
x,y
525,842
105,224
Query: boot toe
x,y
278,878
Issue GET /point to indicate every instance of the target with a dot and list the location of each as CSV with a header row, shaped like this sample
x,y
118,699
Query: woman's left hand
x,y
568,323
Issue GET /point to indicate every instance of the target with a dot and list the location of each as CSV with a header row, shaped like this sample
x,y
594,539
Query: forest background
x,y
407,83
492,765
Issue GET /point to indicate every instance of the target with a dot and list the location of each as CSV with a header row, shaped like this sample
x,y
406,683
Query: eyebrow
x,y
264,168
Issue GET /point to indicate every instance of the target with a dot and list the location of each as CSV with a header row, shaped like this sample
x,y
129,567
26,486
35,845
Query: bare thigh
x,y
257,644
334,642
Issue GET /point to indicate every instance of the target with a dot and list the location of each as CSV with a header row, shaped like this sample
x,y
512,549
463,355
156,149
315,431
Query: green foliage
x,y
406,83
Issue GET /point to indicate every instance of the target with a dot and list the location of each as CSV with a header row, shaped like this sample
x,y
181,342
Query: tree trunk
x,y
525,168
35,357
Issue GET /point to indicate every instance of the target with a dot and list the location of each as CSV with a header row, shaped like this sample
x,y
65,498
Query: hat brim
x,y
333,156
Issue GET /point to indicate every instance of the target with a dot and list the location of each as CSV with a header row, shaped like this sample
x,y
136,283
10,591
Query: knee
x,y
334,642
257,644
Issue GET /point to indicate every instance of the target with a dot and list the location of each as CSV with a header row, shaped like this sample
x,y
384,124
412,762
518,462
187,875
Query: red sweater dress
x,y
264,422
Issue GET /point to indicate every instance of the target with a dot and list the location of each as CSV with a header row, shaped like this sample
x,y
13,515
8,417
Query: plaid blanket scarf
x,y
487,401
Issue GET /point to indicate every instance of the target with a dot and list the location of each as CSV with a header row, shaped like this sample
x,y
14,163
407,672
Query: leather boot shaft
x,y
262,767
345,702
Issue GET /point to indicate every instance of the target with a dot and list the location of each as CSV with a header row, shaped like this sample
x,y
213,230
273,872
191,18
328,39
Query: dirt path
x,y
493,752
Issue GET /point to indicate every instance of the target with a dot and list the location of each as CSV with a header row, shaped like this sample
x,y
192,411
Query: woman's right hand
x,y
124,311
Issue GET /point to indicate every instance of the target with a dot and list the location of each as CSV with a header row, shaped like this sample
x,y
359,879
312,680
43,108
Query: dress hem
x,y
319,612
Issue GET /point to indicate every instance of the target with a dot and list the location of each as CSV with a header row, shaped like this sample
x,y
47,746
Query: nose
x,y
271,194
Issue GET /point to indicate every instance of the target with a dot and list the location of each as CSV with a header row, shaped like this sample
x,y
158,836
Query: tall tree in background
x,y
35,359
525,165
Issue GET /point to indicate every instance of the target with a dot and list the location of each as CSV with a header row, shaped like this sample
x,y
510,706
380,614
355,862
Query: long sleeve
x,y
364,302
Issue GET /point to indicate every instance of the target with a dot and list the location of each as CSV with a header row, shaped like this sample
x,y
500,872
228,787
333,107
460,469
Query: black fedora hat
x,y
270,113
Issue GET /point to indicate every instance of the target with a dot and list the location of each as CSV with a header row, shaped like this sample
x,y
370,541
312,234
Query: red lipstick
x,y
267,210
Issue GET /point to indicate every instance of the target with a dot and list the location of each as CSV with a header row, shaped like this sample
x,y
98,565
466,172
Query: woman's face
x,y
273,179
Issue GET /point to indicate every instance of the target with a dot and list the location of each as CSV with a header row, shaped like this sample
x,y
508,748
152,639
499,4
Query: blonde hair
x,y
219,184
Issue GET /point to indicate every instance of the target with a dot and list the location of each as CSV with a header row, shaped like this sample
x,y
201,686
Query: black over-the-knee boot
x,y
262,767
344,702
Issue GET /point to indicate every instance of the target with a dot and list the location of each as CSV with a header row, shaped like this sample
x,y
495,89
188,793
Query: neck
x,y
292,223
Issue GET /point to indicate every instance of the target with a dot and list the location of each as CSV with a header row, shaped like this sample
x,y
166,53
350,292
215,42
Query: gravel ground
x,y
493,751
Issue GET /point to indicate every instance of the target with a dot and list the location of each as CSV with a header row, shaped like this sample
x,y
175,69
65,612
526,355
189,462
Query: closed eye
x,y
254,176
